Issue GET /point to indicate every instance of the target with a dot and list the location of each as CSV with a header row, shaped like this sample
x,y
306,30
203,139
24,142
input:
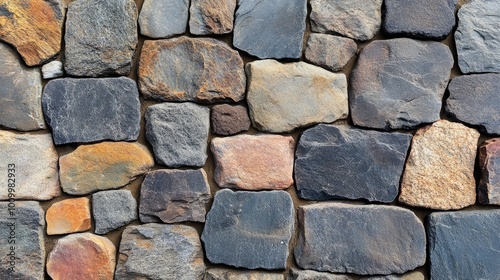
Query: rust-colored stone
x,y
489,160
68,216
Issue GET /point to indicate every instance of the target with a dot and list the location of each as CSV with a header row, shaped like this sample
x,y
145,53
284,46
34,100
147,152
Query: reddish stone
x,y
228,120
68,216
489,162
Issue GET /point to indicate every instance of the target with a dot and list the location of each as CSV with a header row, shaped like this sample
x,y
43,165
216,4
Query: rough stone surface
x,y
296,274
253,162
178,133
478,36
270,29
228,119
488,190
33,27
172,196
399,83
191,69
330,159
163,252
475,99
360,239
35,166
211,16
68,216
52,69
439,172
231,274
423,19
356,19
464,245
101,37
82,256
329,51
28,256
89,110
249,229
163,18
282,97
113,209
103,166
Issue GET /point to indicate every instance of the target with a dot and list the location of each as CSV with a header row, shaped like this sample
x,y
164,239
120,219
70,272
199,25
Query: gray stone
x,y
464,245
211,16
329,51
249,229
163,252
22,244
101,37
20,93
360,239
475,100
52,69
88,110
228,120
178,133
270,29
488,190
329,160
356,19
233,274
163,18
425,19
172,196
399,83
478,36
282,97
113,209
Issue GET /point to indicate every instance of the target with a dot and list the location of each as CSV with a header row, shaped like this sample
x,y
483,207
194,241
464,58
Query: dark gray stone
x,y
270,29
229,120
464,245
172,196
330,159
330,52
488,190
89,110
178,133
163,18
360,239
113,209
399,83
249,229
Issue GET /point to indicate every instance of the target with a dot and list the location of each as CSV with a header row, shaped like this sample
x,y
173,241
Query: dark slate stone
x,y
330,159
464,245
424,19
475,99
89,110
113,209
270,29
249,229
360,239
229,120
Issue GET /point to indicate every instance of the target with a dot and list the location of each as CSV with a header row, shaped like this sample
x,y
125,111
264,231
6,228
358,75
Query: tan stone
x,y
439,173
233,274
211,16
68,216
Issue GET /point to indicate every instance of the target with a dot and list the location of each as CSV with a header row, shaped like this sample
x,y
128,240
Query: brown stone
x,y
211,16
228,120
439,173
68,216
329,51
254,162
233,274
489,162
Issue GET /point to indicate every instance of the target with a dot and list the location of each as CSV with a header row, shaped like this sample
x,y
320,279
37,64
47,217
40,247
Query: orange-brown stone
x,y
68,216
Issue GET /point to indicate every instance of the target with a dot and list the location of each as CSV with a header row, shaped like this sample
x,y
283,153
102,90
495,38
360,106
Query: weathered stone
x,y
101,37
425,19
32,159
249,229
464,245
360,239
295,274
229,120
399,83
414,275
329,51
20,92
330,159
82,256
164,18
356,19
478,36
211,16
52,69
23,224
439,172
231,274
103,166
475,99
178,133
253,162
89,110
68,216
488,190
270,29
172,196
113,209
282,97
33,27
163,252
